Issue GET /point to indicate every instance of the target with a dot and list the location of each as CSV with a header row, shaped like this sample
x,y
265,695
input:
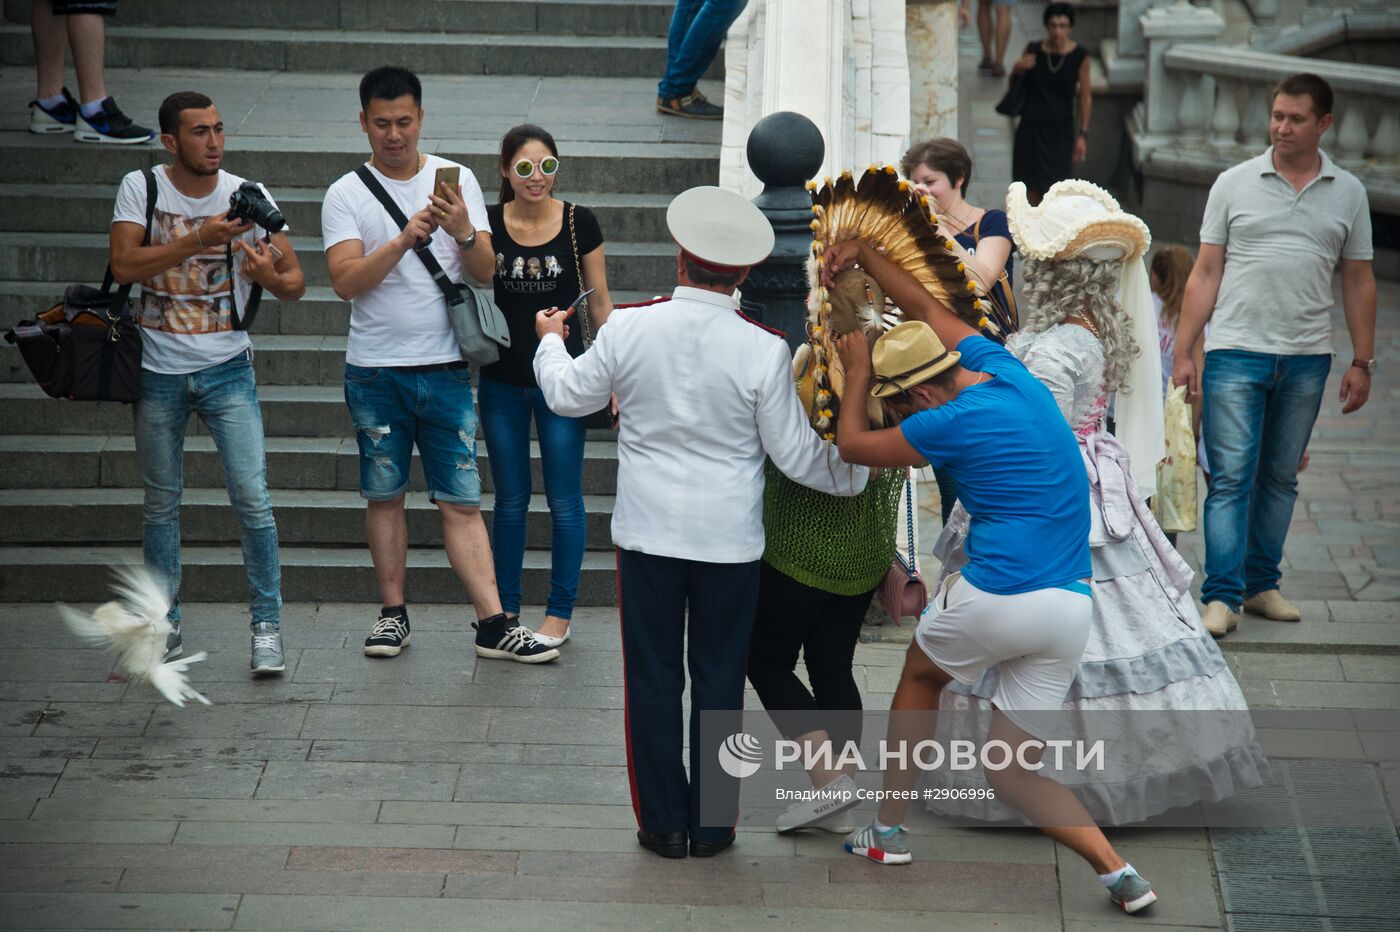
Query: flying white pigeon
x,y
136,632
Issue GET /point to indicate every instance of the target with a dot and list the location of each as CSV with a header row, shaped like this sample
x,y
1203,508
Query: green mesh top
x,y
839,544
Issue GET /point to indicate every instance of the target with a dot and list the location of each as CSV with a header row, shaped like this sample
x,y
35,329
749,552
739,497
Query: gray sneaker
x,y
1132,892
890,847
174,647
267,650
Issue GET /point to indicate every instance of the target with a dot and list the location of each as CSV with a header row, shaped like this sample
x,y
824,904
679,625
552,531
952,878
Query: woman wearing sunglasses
x,y
547,252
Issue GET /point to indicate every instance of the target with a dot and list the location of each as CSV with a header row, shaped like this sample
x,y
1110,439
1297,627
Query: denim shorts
x,y
395,408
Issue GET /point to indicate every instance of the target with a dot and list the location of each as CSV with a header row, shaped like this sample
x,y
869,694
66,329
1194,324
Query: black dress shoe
x,y
666,844
708,849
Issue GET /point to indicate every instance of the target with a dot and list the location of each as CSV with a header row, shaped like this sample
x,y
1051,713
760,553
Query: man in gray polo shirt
x,y
1274,230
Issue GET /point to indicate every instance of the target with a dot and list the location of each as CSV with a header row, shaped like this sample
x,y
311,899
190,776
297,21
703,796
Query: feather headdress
x,y
883,209
136,632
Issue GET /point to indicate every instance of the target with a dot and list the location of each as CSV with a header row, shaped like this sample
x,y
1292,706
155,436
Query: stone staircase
x,y
70,497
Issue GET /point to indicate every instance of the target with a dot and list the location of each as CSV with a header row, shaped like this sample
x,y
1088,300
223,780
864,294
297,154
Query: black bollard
x,y
785,149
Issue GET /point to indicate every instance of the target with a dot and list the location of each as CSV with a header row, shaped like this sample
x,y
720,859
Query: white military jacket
x,y
704,394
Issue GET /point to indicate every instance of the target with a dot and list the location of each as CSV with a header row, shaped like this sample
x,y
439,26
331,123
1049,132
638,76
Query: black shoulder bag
x,y
88,346
478,324
1013,102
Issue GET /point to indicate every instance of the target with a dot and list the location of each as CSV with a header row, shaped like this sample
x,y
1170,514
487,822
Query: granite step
x,y
36,461
304,517
278,161
73,257
544,17
312,50
28,208
318,313
287,410
81,573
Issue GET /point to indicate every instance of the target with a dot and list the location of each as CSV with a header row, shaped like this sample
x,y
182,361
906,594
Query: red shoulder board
x,y
760,325
643,303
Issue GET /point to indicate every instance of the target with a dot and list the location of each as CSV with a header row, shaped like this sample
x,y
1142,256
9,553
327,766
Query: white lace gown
x,y
1147,651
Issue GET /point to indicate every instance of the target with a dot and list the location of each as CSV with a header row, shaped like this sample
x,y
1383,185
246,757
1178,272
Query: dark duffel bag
x,y
83,349
88,347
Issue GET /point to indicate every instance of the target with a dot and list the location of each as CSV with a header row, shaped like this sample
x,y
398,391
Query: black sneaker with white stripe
x,y
496,640
389,635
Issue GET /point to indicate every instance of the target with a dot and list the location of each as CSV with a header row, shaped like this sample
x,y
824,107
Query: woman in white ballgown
x,y
1088,332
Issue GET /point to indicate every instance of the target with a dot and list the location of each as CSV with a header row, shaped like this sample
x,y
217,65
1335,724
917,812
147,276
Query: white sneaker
x,y
1271,604
830,800
549,640
1219,620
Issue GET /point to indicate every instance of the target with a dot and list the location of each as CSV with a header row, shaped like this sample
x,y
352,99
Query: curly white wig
x,y
1087,288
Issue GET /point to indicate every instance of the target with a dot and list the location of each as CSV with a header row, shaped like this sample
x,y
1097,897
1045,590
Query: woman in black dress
x,y
1048,140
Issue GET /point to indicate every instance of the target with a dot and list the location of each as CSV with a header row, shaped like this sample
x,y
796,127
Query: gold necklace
x,y
1088,325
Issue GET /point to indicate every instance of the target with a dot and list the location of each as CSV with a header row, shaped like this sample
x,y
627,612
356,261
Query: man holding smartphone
x,y
405,379
197,275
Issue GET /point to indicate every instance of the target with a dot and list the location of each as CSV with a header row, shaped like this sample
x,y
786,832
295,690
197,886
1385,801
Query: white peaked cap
x,y
719,227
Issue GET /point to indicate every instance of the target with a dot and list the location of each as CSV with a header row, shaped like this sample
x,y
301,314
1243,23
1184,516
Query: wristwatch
x,y
467,243
1368,364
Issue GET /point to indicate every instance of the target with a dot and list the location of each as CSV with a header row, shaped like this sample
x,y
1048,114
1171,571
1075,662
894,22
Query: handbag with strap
x,y
87,347
1013,102
903,591
601,419
477,322
1003,299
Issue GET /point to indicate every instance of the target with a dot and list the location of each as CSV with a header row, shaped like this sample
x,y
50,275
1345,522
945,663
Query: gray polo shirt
x,y
1281,248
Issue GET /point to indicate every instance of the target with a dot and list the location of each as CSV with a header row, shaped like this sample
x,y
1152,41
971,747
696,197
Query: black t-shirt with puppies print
x,y
530,279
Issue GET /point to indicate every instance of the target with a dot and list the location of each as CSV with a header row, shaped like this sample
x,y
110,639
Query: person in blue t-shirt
x,y
1022,601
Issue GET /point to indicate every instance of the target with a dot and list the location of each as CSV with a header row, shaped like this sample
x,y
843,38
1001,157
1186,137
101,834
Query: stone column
x,y
785,149
931,41
1165,89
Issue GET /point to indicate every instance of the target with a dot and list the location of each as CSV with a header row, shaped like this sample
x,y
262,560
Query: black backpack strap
x,y
120,298
254,294
449,289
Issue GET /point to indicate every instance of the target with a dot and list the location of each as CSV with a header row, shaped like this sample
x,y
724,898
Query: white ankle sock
x,y
51,102
884,829
1112,877
92,108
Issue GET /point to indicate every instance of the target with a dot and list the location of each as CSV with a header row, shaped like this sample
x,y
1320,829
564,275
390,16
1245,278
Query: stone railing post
x,y
1178,102
785,149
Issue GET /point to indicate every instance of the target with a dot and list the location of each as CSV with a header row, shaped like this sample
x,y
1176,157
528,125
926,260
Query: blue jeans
x,y
395,408
226,399
505,423
697,29
1259,414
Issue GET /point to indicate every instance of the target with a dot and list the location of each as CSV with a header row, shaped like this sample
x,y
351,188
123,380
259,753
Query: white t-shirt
x,y
402,321
185,311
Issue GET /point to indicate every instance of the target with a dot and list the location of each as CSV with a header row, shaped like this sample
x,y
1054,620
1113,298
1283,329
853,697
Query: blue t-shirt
x,y
1019,475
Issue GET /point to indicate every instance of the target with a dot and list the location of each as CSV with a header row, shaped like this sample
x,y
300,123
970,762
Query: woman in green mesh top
x,y
825,557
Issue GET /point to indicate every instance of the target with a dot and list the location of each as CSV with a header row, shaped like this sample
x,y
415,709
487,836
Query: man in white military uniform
x,y
705,394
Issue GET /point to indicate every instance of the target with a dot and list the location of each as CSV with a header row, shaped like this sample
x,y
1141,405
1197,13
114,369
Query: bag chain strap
x,y
909,500
578,271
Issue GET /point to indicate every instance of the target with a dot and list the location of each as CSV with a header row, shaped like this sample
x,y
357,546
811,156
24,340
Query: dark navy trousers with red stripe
x,y
654,594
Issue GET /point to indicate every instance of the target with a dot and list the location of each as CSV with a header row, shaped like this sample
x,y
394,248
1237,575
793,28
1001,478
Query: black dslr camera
x,y
249,203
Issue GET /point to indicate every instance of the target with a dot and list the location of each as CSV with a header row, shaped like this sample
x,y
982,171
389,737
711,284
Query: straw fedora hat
x,y
910,353
1075,219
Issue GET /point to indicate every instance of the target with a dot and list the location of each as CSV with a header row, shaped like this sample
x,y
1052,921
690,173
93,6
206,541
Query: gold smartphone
x,y
447,175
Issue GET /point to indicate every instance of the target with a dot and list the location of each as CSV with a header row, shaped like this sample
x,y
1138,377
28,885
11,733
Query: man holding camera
x,y
209,255
406,383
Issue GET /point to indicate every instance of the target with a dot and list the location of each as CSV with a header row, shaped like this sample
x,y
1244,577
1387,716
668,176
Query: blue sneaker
x,y
1132,892
60,119
111,125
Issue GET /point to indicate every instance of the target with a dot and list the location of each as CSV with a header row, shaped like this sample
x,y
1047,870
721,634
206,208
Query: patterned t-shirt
x,y
186,318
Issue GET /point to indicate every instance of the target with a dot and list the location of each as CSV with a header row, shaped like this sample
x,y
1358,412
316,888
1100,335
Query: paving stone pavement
x,y
437,791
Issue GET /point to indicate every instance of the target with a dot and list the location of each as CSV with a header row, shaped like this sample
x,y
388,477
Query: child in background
x,y
1167,274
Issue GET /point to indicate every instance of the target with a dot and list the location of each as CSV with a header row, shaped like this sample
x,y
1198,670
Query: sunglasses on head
x,y
548,165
